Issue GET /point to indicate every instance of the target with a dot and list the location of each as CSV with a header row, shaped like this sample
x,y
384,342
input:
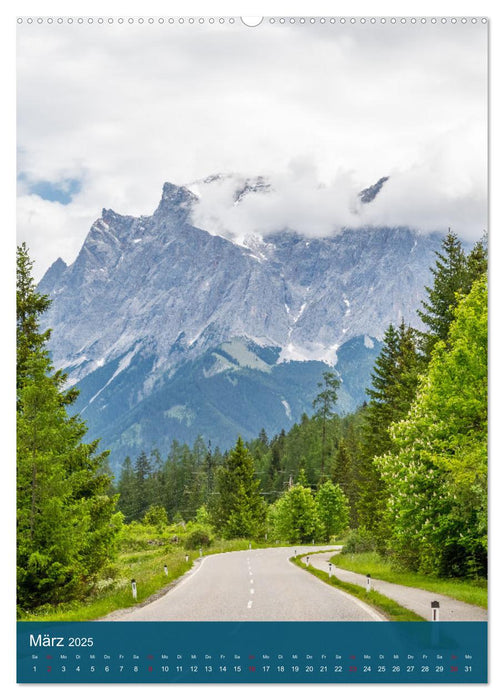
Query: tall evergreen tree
x,y
238,509
324,404
477,260
142,471
394,381
454,273
127,489
66,524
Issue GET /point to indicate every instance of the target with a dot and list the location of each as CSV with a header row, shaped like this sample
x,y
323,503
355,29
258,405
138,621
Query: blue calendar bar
x,y
252,652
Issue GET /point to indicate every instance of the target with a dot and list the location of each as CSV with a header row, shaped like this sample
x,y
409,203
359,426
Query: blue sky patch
x,y
62,191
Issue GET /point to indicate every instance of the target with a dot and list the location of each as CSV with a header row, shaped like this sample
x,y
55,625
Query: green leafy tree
x,y
436,476
302,479
295,516
202,516
66,520
238,509
332,509
324,404
156,517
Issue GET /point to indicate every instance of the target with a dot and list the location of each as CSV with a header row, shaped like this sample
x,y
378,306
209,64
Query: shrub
x,y
360,540
198,538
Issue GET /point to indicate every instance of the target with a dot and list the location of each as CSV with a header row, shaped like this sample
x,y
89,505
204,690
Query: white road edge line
x,y
372,613
188,576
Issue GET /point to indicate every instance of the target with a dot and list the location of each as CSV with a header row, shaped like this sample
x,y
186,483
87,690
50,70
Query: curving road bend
x,y
251,585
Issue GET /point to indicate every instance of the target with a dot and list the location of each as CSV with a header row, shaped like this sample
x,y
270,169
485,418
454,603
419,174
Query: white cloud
x,y
124,108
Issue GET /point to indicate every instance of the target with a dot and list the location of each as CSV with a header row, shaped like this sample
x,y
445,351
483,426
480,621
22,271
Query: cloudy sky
x,y
107,113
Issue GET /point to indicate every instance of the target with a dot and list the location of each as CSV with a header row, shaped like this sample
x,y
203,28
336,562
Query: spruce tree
x,y
238,509
127,488
66,521
454,273
394,381
142,471
324,404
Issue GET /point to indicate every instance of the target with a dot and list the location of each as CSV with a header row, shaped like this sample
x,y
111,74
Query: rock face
x,y
171,332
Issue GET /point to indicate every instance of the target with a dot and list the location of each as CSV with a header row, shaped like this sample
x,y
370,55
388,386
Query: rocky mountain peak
x,y
367,195
150,300
176,200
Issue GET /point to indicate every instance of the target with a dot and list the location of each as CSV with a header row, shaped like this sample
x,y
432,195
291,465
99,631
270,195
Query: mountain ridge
x,y
151,295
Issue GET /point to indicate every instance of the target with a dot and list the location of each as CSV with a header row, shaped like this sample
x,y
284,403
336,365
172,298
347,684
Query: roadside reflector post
x,y
266,536
295,552
134,588
165,570
330,569
368,583
201,552
187,557
313,541
307,560
435,618
250,545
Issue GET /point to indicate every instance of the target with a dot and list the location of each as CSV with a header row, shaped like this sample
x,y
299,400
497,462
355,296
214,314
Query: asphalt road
x,y
252,585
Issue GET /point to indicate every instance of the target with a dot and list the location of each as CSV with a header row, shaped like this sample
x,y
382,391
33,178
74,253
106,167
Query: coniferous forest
x,y
405,475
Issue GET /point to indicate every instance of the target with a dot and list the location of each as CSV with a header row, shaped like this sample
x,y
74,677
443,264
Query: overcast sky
x,y
107,113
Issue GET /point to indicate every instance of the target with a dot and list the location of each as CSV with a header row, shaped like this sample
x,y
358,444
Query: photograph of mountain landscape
x,y
252,331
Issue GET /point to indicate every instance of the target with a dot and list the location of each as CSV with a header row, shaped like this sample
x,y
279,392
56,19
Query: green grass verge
x,y
372,563
387,607
143,563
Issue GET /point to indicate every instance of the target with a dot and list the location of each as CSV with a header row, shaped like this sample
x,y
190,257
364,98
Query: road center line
x,y
249,604
251,591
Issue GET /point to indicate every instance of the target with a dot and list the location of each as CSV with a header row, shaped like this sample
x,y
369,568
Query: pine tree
x,y
127,489
341,466
66,524
324,404
477,260
394,381
453,274
238,509
29,306
142,471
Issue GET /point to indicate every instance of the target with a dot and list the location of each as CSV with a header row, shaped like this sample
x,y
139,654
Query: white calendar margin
x,y
387,8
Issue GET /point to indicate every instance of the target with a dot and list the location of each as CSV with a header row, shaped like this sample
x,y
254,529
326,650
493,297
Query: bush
x,y
156,517
360,540
198,538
